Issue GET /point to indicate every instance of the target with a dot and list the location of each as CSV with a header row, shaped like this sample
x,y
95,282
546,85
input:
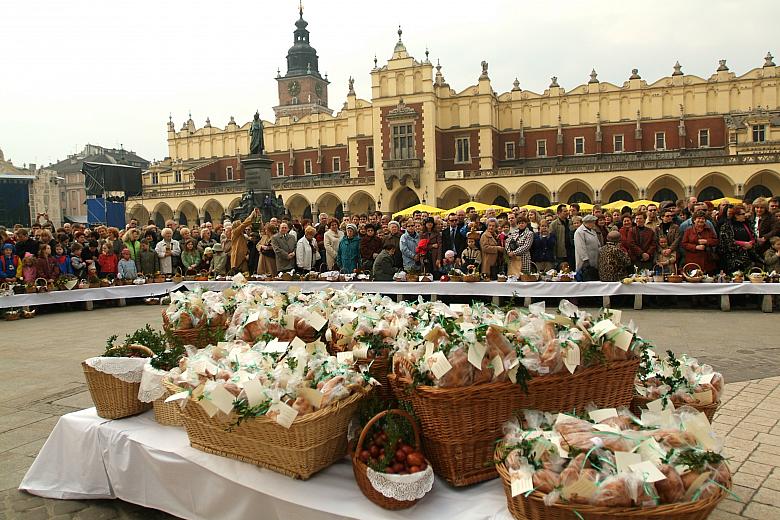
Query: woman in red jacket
x,y
107,262
45,264
699,242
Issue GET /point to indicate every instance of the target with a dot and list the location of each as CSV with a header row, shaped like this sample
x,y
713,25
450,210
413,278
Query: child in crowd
x,y
9,264
148,261
45,264
205,262
190,257
543,248
62,259
78,266
90,252
666,261
107,261
219,262
126,269
449,262
471,256
772,255
28,273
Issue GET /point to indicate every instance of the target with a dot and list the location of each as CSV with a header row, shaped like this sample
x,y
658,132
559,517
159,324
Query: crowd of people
x,y
601,245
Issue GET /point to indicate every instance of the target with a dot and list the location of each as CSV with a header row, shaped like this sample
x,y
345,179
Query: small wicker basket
x,y
687,271
531,276
167,414
360,468
114,398
756,275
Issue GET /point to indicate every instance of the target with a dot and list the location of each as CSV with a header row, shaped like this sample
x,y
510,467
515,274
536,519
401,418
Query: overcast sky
x,y
109,72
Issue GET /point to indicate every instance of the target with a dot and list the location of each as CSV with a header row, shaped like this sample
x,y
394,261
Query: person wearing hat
x,y
219,262
614,264
394,236
284,244
383,268
348,256
641,243
9,263
205,260
408,243
586,249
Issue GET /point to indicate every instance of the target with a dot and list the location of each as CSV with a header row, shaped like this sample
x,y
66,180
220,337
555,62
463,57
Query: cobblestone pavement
x,y
41,379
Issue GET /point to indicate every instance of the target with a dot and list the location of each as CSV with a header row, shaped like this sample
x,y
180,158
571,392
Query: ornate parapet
x,y
403,170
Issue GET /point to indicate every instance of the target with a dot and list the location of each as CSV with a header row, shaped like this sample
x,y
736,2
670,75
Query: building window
x,y
403,142
759,133
280,169
462,152
307,167
229,173
370,157
617,143
704,138
177,176
660,140
541,148
579,145
155,178
509,150
336,164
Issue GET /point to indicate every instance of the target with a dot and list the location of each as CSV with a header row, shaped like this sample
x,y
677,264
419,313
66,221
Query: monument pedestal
x,y
257,174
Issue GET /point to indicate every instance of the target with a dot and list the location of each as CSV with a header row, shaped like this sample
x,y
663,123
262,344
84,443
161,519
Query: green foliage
x,y
697,460
169,357
244,411
154,340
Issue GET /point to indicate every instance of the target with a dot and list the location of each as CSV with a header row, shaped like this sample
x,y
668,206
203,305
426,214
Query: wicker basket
x,y
688,269
472,277
379,368
313,442
456,278
359,468
532,276
532,507
460,425
196,336
756,275
114,398
638,403
167,414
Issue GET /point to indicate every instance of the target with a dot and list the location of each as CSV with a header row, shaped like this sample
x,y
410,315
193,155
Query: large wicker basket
x,y
114,398
460,425
197,336
532,507
638,403
379,368
360,468
167,414
312,443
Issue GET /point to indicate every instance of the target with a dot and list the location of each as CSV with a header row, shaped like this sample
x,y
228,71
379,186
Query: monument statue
x,y
257,143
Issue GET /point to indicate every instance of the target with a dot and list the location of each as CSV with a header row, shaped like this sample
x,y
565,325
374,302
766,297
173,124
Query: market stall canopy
x,y
531,207
418,207
727,200
102,177
480,207
642,202
618,204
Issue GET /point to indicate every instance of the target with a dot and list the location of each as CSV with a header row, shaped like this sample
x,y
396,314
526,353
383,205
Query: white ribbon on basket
x,y
127,369
402,487
151,384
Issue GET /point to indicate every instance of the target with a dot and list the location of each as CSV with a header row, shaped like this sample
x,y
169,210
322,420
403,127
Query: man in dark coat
x,y
451,236
384,267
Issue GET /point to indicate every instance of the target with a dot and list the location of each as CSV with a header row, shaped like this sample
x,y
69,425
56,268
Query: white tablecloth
x,y
412,289
139,461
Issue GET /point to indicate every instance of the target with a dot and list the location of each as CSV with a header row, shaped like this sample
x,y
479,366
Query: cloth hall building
x,y
417,139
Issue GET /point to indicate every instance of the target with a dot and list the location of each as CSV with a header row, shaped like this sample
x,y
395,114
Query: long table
x,y
139,461
434,289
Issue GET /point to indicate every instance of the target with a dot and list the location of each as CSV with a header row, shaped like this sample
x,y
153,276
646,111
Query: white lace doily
x,y
151,384
125,369
402,487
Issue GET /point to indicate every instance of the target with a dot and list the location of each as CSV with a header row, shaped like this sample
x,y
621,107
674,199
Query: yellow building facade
x,y
419,140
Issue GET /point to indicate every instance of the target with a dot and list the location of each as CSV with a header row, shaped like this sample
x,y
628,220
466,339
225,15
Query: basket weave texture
x,y
359,468
640,402
379,369
196,336
533,507
460,425
113,398
167,414
313,442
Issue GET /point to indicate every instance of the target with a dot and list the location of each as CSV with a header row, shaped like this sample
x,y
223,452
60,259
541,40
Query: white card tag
x,y
522,484
208,407
312,395
615,315
177,397
297,343
706,378
606,428
513,374
572,358
703,397
658,405
476,353
222,399
648,471
345,357
603,414
623,339
584,487
287,414
651,450
316,320
254,392
360,353
603,327
625,459
460,308
441,366
428,349
276,347
699,427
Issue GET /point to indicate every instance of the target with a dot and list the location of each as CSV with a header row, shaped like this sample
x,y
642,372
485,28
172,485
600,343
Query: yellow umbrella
x,y
531,207
643,202
618,204
500,209
479,206
584,206
418,207
729,200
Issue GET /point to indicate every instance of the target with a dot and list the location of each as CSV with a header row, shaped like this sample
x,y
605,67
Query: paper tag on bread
x,y
522,484
254,392
441,365
476,353
603,414
312,395
286,416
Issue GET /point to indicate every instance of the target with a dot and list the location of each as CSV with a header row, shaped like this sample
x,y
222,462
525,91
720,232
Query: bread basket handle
x,y
397,411
756,270
535,267
685,267
45,281
139,348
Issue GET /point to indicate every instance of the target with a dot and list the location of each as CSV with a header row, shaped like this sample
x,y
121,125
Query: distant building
x,y
414,138
27,191
74,193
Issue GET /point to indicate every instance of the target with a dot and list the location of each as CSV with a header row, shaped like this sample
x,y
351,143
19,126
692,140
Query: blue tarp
x,y
111,214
